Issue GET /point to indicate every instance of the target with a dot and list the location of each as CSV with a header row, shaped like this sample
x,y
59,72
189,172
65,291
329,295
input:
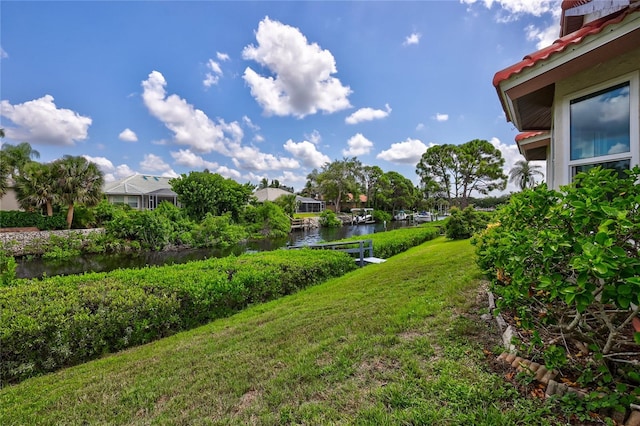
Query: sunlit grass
x,y
385,344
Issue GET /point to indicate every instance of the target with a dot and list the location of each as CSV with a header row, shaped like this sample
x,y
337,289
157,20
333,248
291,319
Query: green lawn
x,y
385,344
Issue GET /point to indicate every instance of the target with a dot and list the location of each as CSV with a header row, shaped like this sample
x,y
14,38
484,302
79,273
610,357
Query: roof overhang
x,y
533,145
526,89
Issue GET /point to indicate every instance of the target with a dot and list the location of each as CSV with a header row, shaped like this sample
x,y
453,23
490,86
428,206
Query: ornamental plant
x,y
566,265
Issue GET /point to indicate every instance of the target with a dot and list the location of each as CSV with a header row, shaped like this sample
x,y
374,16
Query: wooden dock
x,y
300,224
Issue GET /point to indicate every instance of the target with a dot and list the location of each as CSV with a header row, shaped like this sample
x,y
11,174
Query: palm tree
x,y
78,181
35,187
523,174
17,156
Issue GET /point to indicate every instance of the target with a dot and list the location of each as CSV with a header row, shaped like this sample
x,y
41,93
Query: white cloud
x,y
128,135
512,10
229,173
301,83
543,37
185,157
420,126
258,138
213,77
153,163
111,173
307,153
3,53
250,124
407,152
222,56
358,145
511,155
441,117
368,114
314,137
414,38
40,122
190,126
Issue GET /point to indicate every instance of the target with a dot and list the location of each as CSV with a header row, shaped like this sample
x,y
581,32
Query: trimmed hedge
x,y
62,321
19,219
390,243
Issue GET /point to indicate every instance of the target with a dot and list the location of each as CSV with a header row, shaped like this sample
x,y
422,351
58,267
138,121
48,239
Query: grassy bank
x,y
385,344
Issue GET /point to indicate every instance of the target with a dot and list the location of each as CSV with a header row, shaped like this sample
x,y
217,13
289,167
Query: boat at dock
x,y
361,216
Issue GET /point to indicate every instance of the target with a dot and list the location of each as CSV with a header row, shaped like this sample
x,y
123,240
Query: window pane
x,y
619,166
600,123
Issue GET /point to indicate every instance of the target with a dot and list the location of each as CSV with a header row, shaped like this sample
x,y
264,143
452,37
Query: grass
x,y
385,344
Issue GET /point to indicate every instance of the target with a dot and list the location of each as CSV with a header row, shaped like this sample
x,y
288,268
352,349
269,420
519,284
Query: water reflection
x,y
36,268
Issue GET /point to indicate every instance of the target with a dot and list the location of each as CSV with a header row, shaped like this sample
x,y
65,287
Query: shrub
x,y
218,231
328,219
567,264
463,224
62,321
19,219
267,220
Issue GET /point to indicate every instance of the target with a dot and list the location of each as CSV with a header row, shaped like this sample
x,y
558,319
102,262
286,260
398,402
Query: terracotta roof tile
x,y
526,135
562,43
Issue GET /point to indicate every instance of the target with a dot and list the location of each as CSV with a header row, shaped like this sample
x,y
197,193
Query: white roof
x,y
270,194
138,185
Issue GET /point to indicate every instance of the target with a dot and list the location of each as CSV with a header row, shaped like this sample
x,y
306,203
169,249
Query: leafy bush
x,y
463,224
218,231
7,269
381,216
567,264
328,219
62,321
390,243
19,219
267,220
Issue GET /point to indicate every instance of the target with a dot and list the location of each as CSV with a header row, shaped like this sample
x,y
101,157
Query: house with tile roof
x,y
141,192
576,102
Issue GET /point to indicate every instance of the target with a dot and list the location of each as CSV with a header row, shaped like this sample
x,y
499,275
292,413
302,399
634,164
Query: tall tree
x,y
339,178
36,187
203,192
370,178
78,181
4,170
437,169
480,169
17,156
523,174
397,192
462,169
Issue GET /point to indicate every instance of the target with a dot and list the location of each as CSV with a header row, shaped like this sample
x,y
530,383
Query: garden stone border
x,y
542,374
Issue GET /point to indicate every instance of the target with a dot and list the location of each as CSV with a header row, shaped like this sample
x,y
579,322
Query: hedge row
x,y
19,219
387,244
62,321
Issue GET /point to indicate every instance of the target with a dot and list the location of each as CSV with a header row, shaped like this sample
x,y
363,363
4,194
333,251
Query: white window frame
x,y
634,123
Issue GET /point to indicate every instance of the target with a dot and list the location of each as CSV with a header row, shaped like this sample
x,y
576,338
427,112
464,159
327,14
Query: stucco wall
x,y
600,74
16,242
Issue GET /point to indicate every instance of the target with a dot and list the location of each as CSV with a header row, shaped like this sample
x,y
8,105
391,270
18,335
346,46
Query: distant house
x,y
303,204
9,201
141,192
576,102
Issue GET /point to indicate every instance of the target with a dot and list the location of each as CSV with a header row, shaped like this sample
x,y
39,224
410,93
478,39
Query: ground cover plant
x,y
390,243
566,267
394,343
60,321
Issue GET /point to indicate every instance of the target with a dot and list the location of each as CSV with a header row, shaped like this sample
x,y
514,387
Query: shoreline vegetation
x,y
386,344
50,323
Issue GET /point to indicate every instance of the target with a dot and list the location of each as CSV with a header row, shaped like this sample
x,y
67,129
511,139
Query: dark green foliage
x,y
328,219
381,216
390,243
62,321
204,192
18,219
267,220
567,262
218,231
463,224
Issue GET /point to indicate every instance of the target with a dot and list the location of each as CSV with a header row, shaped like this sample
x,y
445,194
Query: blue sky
x,y
256,90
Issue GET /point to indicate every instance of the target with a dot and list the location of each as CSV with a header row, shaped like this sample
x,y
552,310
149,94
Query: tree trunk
x,y
69,216
49,209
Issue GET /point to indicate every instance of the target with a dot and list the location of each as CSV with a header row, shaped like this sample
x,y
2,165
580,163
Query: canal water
x,y
37,267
